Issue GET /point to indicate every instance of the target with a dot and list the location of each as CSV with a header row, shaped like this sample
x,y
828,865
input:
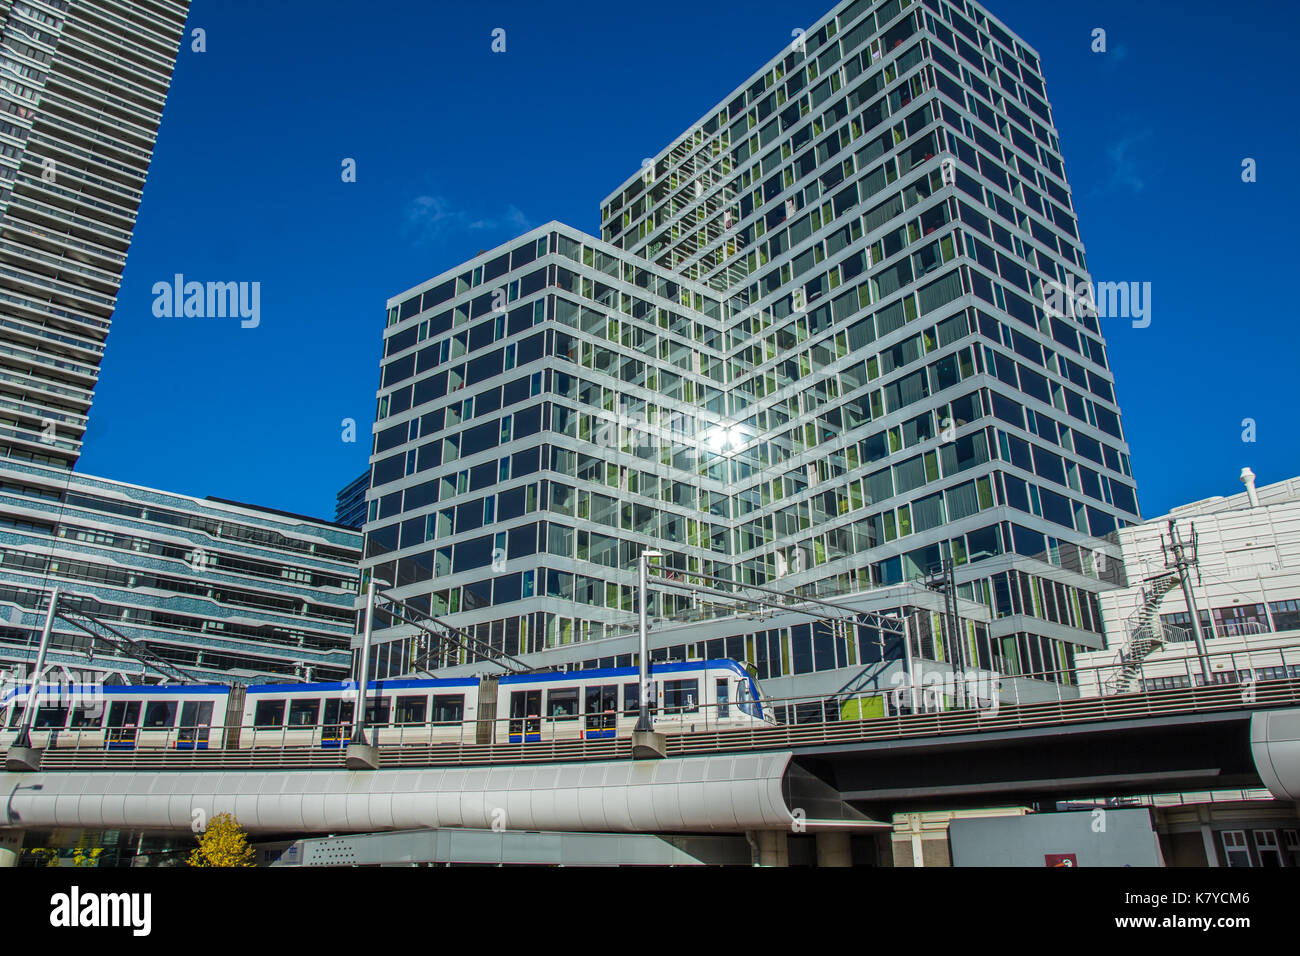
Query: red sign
x,y
1061,859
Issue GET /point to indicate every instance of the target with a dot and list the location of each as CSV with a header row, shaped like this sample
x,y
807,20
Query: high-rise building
x,y
220,589
812,351
82,87
350,503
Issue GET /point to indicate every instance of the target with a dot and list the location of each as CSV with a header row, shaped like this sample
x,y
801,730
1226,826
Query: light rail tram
x,y
689,697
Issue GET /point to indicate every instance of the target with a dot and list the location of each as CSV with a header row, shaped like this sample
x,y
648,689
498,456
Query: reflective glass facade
x,y
225,591
809,352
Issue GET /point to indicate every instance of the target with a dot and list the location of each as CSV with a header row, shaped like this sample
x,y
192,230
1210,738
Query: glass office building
x,y
82,88
350,503
809,352
223,590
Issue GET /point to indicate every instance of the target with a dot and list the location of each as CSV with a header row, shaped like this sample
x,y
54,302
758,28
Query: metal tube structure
x,y
359,718
24,736
1201,652
958,645
1183,563
643,724
907,657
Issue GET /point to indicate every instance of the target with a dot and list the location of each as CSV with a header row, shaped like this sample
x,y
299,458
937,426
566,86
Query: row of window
x,y
1236,620
305,713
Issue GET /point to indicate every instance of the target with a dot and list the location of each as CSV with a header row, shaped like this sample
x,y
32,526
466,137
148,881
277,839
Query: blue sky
x,y
459,149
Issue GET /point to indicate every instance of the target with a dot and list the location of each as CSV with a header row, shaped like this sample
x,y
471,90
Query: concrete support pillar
x,y
1207,837
773,847
11,843
834,849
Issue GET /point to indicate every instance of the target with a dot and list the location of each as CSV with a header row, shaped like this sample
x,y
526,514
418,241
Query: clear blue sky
x,y
459,149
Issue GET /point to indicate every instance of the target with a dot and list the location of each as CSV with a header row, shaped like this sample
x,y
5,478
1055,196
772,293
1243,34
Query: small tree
x,y
223,843
82,855
44,856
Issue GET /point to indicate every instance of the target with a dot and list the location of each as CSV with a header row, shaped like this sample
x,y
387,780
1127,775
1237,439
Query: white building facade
x,y
1245,585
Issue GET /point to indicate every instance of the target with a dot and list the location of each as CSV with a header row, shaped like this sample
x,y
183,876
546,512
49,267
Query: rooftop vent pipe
x,y
1248,479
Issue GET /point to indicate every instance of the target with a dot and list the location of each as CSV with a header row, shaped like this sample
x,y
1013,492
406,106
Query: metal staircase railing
x,y
1145,636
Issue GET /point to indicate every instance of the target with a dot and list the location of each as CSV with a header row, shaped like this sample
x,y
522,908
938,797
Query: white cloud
x,y
431,215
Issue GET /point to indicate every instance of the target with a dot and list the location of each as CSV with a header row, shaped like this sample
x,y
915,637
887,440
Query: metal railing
x,y
410,745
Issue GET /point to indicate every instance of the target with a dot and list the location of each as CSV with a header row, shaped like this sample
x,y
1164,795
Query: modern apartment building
x,y
810,352
220,589
82,88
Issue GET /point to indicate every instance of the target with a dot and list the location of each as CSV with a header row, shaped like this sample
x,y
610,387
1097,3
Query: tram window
x,y
303,713
377,711
562,703
338,711
123,713
682,695
411,710
448,708
86,717
196,713
159,713
16,715
269,713
632,700
47,717
602,698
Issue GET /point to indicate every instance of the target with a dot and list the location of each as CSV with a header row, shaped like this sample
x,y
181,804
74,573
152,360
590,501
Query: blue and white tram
x,y
684,697
397,712
120,716
574,705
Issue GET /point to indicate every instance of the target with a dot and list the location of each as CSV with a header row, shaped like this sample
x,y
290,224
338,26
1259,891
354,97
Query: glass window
x,y
1286,615
160,713
377,711
1270,854
269,713
1235,850
562,703
338,711
682,696
50,717
448,708
87,716
1241,620
304,713
411,710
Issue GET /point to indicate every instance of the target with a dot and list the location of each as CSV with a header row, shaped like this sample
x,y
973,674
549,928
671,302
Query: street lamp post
x,y
645,742
361,754
22,756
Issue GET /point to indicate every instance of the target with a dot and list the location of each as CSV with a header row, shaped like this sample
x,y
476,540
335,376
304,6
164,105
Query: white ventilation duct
x,y
1248,479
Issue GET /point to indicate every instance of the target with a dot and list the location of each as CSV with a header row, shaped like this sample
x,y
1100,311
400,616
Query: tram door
x,y
724,699
337,729
123,723
525,716
196,724
602,711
